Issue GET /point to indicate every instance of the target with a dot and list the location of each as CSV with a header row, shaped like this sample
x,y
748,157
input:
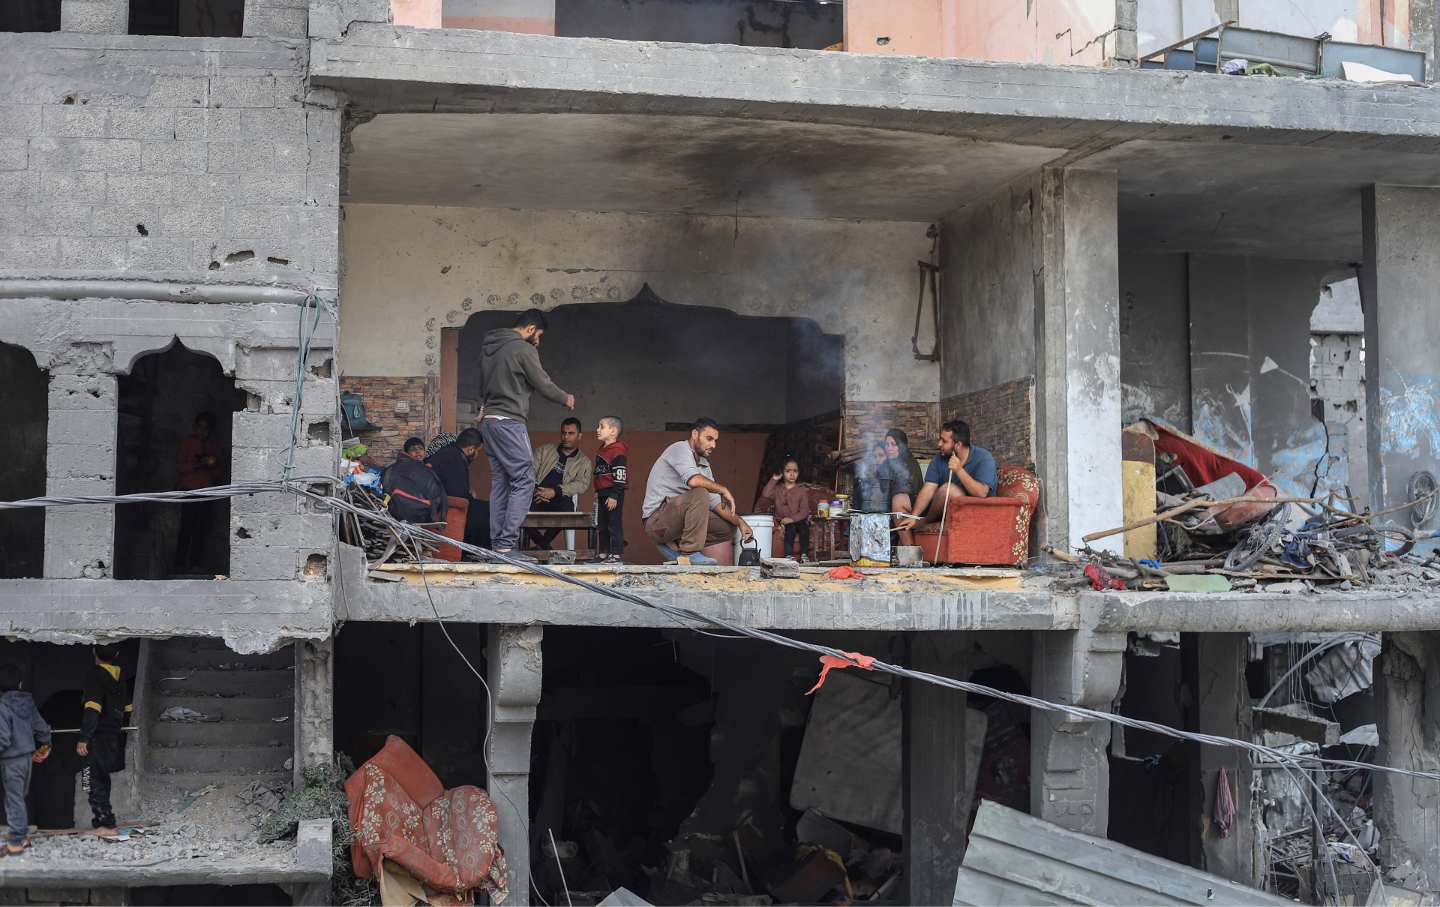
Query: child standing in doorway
x,y
611,477
792,506
24,742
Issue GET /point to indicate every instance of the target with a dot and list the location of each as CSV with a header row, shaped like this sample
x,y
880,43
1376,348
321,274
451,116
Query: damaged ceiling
x,y
675,164
1204,194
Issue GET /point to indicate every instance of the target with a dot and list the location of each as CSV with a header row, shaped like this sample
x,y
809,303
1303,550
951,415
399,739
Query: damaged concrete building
x,y
248,207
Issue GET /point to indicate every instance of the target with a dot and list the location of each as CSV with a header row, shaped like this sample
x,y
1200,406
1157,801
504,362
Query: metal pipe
x,y
156,290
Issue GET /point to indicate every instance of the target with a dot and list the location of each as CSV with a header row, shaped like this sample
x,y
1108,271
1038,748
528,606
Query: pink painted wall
x,y
530,25
894,27
416,13
1001,30
1026,32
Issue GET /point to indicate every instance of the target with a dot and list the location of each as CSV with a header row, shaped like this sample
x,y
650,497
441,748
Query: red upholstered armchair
x,y
993,531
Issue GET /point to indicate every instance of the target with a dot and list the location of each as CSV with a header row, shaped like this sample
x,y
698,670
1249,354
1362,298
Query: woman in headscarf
x,y
900,477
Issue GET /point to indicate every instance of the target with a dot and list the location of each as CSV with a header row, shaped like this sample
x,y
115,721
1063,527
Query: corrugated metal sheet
x,y
1016,859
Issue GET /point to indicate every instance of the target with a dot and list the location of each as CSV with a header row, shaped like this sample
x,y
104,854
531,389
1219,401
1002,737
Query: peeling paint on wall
x,y
1410,420
1226,424
1293,466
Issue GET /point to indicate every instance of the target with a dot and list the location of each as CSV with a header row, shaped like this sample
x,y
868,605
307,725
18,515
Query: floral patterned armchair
x,y
993,531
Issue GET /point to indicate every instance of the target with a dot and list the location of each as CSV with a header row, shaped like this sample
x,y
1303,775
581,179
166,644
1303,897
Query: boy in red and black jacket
x,y
611,473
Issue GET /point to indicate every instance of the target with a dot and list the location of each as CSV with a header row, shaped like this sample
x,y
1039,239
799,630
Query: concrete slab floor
x,y
885,599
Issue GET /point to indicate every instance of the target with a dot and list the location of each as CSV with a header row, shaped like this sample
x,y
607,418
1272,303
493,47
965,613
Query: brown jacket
x,y
790,503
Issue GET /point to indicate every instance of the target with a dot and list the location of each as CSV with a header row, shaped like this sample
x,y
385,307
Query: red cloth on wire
x,y
852,660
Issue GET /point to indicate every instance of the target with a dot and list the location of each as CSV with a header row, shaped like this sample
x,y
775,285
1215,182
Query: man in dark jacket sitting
x,y
415,492
452,467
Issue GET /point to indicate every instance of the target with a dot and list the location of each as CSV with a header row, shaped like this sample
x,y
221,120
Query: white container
x,y
763,525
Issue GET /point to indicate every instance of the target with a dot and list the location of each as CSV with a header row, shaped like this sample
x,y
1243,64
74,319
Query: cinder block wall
x,y
166,158
179,161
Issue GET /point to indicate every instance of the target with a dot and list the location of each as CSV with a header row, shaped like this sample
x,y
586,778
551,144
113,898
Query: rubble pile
x,y
149,845
1219,525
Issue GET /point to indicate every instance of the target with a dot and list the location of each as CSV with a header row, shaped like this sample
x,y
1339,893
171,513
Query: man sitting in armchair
x,y
962,469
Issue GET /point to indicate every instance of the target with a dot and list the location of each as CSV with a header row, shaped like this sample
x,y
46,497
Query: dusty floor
x,y
213,825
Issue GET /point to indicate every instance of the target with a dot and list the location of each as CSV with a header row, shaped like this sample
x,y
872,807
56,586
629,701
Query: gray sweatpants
x,y
512,479
15,773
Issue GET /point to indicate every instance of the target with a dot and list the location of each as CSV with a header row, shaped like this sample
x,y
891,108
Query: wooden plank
x,y
542,519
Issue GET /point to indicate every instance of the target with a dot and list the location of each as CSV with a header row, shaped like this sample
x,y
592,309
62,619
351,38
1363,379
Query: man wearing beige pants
x,y
685,509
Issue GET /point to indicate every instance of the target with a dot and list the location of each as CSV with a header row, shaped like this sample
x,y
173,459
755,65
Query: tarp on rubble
x,y
1204,464
1014,858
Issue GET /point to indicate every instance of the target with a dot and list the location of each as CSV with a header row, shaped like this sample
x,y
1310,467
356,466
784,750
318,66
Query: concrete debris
x,y
180,713
1344,670
262,798
623,897
1364,735
159,844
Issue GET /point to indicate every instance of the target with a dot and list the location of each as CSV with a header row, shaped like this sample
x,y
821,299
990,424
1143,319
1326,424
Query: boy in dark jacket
x,y
102,734
611,475
24,741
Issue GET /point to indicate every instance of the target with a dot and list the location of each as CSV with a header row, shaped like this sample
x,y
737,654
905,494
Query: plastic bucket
x,y
763,525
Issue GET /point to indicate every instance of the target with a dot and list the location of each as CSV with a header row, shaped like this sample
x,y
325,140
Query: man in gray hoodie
x,y
24,741
509,372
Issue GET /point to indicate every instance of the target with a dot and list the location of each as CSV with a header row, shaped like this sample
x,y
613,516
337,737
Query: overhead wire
x,y
690,617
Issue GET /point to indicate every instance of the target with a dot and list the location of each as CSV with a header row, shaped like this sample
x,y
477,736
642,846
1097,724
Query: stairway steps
x,y
253,684
205,760
228,708
178,655
240,696
217,734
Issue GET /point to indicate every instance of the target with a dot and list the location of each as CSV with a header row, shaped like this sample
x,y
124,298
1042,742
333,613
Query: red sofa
x,y
993,531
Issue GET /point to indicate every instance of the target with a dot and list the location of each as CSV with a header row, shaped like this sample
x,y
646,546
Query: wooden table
x,y
569,521
829,539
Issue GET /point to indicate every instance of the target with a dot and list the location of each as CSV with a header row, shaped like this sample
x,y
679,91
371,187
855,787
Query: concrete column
x,y
1407,711
513,661
1223,708
939,771
314,706
1077,335
1069,765
272,536
80,540
1402,375
96,17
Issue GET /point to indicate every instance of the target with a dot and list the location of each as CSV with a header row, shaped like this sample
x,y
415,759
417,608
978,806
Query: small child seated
x,y
792,507
611,477
24,741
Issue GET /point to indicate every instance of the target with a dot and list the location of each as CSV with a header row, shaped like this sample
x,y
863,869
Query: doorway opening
x,y
176,408
188,19
775,384
30,15
23,451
